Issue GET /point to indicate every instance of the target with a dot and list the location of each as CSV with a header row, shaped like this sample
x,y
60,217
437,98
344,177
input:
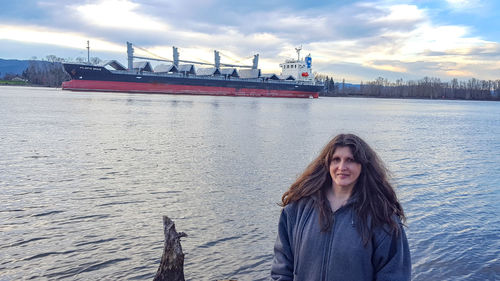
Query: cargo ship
x,y
191,78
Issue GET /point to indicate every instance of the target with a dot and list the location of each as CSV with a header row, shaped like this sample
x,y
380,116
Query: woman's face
x,y
344,170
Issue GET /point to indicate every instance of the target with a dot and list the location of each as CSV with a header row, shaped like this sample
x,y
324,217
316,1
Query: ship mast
x,y
88,51
298,49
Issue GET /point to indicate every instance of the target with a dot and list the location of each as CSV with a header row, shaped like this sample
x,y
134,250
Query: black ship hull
x,y
97,78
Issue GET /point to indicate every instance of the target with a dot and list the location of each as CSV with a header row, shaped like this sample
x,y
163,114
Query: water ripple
x,y
86,179
215,242
47,213
42,255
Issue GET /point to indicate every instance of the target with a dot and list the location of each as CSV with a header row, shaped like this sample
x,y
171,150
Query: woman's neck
x,y
338,197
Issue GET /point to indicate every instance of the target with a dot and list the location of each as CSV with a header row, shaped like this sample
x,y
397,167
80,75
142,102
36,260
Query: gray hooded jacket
x,y
302,252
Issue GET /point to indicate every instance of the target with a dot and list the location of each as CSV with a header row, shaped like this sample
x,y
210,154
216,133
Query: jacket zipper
x,y
326,258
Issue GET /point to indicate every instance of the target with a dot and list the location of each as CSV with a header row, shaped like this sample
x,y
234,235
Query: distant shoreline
x,y
405,98
13,83
22,84
6,83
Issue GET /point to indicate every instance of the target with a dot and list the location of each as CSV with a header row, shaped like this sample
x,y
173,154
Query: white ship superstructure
x,y
299,69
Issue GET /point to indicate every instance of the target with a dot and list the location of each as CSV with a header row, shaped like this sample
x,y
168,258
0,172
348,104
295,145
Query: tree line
x,y
45,73
425,88
48,72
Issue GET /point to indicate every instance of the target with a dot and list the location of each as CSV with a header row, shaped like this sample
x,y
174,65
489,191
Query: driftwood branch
x,y
172,261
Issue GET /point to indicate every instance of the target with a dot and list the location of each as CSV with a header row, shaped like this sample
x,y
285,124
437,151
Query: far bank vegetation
x,y
425,88
47,72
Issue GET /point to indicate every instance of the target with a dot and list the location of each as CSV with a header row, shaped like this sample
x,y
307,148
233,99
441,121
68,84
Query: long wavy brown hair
x,y
376,202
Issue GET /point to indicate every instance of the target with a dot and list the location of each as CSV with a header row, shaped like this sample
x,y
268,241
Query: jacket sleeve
x,y
282,267
391,259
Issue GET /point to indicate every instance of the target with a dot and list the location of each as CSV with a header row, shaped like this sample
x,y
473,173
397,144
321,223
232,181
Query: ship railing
x,y
222,77
294,82
147,73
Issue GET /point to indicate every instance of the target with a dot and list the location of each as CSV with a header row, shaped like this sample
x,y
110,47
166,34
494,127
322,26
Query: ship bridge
x,y
299,69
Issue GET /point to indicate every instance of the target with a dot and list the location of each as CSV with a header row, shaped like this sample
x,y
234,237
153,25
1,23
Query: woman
x,y
342,220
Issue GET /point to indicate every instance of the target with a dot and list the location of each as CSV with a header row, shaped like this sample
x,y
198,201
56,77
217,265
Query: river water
x,y
85,179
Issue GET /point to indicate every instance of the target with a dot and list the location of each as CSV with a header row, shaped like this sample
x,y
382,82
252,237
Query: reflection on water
x,y
85,179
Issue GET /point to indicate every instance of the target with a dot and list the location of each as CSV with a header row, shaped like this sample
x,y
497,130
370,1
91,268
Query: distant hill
x,y
15,67
36,72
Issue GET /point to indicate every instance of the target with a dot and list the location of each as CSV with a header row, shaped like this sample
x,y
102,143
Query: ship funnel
x,y
255,61
130,55
308,61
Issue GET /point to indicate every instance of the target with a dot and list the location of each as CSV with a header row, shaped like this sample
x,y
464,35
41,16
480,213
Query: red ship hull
x,y
160,88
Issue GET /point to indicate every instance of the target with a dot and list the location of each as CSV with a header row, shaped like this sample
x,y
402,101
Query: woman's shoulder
x,y
299,206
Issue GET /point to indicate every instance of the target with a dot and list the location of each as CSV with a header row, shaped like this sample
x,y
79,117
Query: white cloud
x,y
439,38
463,4
403,13
32,34
118,14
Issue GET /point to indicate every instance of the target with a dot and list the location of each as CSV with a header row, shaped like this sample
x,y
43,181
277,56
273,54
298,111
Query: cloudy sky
x,y
355,40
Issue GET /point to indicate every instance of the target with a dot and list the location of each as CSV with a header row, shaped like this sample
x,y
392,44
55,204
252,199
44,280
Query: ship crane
x,y
176,60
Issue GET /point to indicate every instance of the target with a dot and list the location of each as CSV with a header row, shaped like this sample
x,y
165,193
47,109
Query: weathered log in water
x,y
172,261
